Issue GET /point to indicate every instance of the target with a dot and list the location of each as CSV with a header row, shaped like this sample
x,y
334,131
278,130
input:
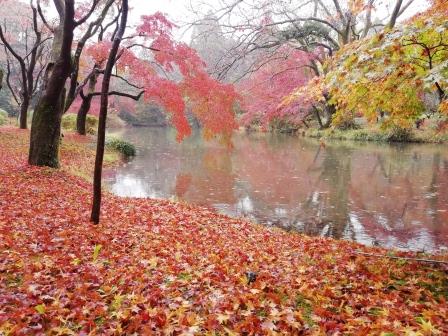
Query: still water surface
x,y
376,194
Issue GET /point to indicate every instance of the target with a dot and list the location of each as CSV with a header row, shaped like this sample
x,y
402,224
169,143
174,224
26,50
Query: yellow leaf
x,y
222,318
230,332
40,308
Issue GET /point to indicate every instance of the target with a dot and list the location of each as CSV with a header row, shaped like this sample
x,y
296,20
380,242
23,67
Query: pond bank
x,y
154,266
377,135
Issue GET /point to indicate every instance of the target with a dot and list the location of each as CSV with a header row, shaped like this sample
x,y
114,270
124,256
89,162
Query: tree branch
x,y
121,94
86,17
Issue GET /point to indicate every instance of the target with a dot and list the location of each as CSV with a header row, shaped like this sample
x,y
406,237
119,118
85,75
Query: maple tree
x,y
276,77
391,73
210,101
415,59
29,51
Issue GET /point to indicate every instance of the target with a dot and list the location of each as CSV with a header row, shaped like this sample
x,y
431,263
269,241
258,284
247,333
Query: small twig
x,y
404,210
405,258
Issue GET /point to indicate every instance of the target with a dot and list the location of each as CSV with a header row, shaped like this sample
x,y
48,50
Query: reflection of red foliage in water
x,y
213,180
273,172
183,182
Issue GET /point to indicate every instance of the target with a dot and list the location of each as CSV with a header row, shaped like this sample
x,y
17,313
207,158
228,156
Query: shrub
x,y
124,147
399,134
69,123
283,126
347,123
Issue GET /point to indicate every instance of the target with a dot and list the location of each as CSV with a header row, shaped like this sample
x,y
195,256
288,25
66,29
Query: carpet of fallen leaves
x,y
153,267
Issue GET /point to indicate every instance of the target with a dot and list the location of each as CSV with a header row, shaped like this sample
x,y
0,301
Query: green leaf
x,y
96,251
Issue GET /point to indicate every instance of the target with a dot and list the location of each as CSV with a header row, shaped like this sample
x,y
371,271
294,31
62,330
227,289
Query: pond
x,y
376,194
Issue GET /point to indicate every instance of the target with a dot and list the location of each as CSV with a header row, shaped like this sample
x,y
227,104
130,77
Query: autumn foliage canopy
x,y
395,72
172,74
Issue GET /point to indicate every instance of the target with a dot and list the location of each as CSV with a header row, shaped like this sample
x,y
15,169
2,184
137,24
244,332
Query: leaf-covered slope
x,y
156,267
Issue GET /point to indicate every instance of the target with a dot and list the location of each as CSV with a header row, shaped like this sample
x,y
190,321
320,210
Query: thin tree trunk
x,y
368,23
74,76
46,124
91,31
395,14
331,110
96,206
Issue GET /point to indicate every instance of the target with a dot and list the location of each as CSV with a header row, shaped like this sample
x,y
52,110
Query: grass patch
x,y
378,135
304,304
69,123
3,117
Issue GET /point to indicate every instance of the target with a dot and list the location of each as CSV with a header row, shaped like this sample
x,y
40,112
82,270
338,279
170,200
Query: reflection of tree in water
x,y
212,179
399,203
183,183
438,202
330,206
297,185
272,173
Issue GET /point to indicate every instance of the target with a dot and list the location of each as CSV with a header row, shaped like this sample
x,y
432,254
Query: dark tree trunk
x,y
319,120
46,124
74,77
46,132
395,14
82,115
86,103
24,113
330,109
96,206
441,92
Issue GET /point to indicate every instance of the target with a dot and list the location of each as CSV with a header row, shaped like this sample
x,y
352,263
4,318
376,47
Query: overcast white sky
x,y
177,10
